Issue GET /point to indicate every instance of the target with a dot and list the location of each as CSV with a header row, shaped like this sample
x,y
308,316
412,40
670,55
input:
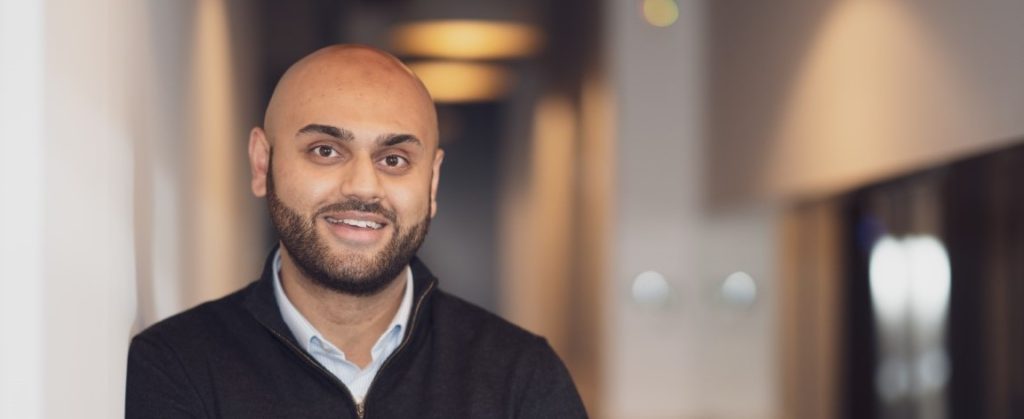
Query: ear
x,y
259,160
435,177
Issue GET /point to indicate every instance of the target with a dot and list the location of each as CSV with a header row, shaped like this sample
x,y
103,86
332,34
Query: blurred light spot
x,y
466,39
450,82
929,280
661,13
739,289
889,270
911,274
650,289
932,369
910,286
892,379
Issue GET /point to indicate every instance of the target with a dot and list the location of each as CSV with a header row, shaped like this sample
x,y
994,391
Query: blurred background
x,y
711,208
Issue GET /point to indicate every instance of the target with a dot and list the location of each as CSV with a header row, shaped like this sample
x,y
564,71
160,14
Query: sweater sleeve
x,y
157,385
550,392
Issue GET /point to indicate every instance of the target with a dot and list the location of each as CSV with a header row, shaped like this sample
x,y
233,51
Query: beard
x,y
352,274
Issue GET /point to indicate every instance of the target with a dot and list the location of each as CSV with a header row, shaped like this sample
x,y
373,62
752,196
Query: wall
x,y
73,269
808,100
690,357
22,166
199,231
97,186
741,108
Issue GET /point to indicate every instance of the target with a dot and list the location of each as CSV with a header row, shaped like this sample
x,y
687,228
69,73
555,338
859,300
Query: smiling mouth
x,y
365,224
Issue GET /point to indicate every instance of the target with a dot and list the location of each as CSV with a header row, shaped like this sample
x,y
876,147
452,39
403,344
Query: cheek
x,y
410,199
304,192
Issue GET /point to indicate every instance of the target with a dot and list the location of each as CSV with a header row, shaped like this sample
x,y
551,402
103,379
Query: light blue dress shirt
x,y
333,359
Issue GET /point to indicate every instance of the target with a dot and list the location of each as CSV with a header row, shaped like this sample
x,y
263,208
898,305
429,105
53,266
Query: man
x,y
345,320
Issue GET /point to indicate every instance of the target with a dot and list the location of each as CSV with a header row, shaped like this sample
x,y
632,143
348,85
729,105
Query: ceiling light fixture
x,y
466,39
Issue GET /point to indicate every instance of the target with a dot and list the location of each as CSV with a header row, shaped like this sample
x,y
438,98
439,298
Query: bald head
x,y
340,79
349,162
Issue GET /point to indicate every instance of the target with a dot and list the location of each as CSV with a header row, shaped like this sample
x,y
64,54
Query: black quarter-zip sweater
x,y
236,358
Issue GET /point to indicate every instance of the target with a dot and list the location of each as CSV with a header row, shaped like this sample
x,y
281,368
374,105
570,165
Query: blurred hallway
x,y
685,197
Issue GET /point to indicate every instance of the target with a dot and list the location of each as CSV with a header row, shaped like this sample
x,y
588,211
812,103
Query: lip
x,y
354,235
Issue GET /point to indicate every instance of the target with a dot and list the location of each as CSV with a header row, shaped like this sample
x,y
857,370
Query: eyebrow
x,y
388,140
384,140
339,133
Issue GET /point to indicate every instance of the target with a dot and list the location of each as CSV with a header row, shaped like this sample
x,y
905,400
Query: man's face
x,y
352,273
351,177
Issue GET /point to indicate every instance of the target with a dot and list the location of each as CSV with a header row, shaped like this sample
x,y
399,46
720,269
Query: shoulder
x,y
166,360
519,360
198,325
466,320
463,328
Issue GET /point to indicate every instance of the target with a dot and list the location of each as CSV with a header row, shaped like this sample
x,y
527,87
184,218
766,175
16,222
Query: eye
x,y
324,151
395,161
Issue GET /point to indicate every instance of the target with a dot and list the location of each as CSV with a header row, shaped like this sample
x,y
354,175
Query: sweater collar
x,y
262,302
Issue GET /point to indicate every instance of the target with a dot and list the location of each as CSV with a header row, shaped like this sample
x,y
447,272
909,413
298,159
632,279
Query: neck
x,y
351,323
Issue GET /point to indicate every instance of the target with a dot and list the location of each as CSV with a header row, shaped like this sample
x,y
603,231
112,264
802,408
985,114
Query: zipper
x,y
412,325
360,407
305,357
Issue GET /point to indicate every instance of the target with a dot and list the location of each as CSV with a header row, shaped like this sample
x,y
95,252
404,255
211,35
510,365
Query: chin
x,y
359,260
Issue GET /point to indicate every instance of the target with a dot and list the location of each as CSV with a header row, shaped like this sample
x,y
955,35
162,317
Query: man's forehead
x,y
348,63
351,83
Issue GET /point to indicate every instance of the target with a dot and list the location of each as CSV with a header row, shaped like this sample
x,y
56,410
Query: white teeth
x,y
356,223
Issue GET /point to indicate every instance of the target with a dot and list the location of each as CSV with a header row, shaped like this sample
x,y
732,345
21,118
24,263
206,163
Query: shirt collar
x,y
304,331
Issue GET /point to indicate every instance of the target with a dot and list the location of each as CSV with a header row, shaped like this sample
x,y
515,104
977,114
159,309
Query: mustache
x,y
360,206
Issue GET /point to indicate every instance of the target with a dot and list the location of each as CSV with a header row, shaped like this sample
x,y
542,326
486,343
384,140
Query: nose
x,y
361,180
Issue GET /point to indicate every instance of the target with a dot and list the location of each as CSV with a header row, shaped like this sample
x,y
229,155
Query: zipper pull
x,y
360,410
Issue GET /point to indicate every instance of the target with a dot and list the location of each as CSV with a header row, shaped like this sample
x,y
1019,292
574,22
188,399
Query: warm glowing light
x,y
462,82
466,39
661,13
